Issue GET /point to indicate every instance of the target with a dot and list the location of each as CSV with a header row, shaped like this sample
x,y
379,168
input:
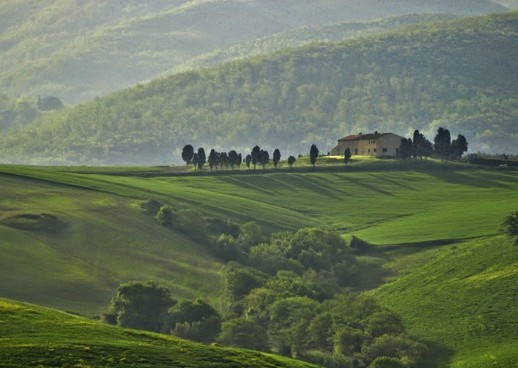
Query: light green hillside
x,y
96,241
58,339
462,296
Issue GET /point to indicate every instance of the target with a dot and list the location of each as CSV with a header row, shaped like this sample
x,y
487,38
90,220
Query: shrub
x,y
165,216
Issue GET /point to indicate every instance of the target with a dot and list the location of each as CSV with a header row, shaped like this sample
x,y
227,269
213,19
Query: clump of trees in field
x,y
289,293
225,160
443,147
510,226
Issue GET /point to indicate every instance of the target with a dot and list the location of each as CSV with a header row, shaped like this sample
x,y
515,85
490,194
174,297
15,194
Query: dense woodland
x,y
79,49
460,74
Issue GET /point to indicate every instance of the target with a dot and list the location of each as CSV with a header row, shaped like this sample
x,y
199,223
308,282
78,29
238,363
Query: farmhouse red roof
x,y
359,137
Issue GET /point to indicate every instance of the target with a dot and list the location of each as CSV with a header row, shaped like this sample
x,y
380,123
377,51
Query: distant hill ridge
x,y
77,50
460,74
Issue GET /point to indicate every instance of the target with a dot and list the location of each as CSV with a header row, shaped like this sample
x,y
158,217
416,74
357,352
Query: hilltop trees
x,y
442,143
187,154
213,159
256,154
201,158
459,146
405,148
276,157
421,147
313,154
291,160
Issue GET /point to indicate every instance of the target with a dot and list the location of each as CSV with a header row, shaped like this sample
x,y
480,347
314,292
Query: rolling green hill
x,y
436,226
58,339
459,74
81,49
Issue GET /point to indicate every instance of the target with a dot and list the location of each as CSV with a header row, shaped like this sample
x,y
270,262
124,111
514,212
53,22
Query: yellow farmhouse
x,y
373,144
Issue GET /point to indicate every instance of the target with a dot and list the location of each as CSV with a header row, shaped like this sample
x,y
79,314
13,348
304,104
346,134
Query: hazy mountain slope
x,y
298,37
35,336
460,74
81,49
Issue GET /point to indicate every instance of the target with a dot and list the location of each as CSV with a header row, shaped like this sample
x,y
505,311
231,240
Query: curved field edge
x,y
60,339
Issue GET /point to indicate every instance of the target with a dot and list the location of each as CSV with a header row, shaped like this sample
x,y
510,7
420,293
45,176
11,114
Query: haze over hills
x,y
77,50
460,74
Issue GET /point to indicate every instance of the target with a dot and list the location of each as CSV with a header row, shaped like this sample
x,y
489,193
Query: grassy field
x,y
436,228
58,339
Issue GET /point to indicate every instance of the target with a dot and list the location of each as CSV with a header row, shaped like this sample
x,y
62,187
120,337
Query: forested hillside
x,y
460,74
79,49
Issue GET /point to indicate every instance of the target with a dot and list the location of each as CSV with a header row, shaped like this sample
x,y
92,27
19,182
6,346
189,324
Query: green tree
x,y
256,155
187,154
459,146
223,160
264,158
233,159
510,226
165,215
313,154
276,157
194,320
442,143
244,333
141,305
291,161
405,148
201,158
347,155
213,159
195,161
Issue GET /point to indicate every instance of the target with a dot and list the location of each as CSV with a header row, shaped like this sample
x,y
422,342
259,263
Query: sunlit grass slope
x,y
462,296
86,244
32,336
452,277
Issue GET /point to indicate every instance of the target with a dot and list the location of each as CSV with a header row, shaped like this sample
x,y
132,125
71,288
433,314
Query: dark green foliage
x,y
256,155
387,362
398,347
165,216
438,74
239,281
244,333
49,103
233,159
195,161
442,143
194,320
190,222
347,155
421,147
291,161
141,305
187,154
510,226
276,157
459,146
264,158
313,154
201,158
405,148
213,159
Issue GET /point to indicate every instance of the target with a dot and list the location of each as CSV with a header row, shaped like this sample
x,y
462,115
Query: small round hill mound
x,y
34,222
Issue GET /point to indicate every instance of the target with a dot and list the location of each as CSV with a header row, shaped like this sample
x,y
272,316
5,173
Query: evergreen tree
x,y
202,159
459,146
239,161
313,154
264,158
223,160
213,159
442,143
233,159
291,161
256,152
276,157
187,154
405,148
